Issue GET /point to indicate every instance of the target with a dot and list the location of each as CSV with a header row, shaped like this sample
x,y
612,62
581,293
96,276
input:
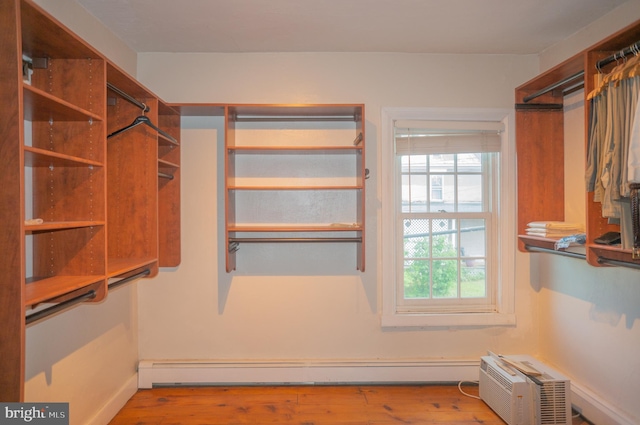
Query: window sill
x,y
406,320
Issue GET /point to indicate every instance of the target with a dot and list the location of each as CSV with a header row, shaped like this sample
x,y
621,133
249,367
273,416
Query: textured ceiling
x,y
413,26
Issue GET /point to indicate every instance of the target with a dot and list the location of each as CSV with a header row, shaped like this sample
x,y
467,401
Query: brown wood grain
x,y
12,263
306,405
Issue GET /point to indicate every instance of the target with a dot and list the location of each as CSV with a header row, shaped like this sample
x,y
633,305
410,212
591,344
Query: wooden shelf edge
x,y
547,245
604,255
293,228
39,290
61,225
164,140
119,266
37,157
53,107
166,164
295,149
275,188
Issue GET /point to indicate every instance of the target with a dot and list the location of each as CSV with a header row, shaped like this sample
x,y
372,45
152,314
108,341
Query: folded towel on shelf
x,y
556,225
550,234
32,221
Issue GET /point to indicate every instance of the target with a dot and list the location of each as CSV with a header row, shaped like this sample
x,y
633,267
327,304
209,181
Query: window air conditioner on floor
x,y
540,397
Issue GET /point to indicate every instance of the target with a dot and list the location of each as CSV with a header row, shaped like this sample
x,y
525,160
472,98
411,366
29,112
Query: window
x,y
448,240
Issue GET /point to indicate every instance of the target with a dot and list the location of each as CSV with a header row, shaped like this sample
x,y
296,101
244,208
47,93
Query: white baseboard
x,y
597,410
115,403
159,372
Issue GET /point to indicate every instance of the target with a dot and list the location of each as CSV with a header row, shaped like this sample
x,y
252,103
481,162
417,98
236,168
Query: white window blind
x,y
432,137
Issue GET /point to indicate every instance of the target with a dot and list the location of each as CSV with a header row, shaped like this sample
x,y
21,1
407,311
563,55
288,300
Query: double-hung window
x,y
447,259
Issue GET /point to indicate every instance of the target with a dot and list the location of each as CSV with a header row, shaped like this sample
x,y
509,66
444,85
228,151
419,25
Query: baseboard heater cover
x,y
194,372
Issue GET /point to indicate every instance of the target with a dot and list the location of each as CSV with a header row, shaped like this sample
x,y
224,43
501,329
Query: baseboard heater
x,y
204,372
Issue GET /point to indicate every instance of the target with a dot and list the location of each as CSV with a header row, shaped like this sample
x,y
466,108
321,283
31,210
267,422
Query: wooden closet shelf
x,y
36,157
293,228
61,225
615,253
120,266
305,187
41,289
540,242
285,149
42,106
338,112
166,164
163,140
43,37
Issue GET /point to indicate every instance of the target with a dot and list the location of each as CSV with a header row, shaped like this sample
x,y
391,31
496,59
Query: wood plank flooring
x,y
308,405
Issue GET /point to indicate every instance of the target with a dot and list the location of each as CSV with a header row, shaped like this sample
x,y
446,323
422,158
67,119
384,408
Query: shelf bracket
x,y
358,139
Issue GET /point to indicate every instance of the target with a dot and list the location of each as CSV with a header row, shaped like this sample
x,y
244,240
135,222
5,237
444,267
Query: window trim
x,y
505,292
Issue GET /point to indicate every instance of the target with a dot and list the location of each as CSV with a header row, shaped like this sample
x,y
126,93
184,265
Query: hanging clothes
x,y
613,145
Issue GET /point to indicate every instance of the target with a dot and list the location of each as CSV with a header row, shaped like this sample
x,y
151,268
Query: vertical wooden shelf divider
x,y
169,186
132,185
12,239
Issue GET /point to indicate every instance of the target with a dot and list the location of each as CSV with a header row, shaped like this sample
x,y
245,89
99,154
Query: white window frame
x,y
505,286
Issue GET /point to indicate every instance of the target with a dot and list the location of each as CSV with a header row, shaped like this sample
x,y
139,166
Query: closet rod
x,y
633,50
294,118
39,315
553,86
165,176
618,263
553,251
238,240
145,108
129,278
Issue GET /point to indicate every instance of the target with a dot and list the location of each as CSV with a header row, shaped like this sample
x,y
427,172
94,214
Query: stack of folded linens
x,y
553,229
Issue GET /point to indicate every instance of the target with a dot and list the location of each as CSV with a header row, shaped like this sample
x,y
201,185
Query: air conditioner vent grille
x,y
553,402
504,382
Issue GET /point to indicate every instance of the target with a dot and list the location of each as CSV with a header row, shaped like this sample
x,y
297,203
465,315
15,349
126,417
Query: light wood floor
x,y
308,405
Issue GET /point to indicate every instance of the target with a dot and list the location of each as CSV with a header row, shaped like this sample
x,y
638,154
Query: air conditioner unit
x,y
521,399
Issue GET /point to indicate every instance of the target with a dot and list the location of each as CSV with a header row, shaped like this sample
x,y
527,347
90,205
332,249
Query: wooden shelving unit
x,y
296,171
169,185
540,148
101,212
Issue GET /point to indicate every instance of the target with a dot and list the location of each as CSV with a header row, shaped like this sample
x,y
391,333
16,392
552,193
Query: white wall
x,y
294,303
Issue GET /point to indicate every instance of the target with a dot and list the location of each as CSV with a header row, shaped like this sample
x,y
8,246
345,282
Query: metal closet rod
x,y
39,315
165,176
631,50
293,118
131,99
618,263
269,240
553,86
600,260
129,278
553,251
